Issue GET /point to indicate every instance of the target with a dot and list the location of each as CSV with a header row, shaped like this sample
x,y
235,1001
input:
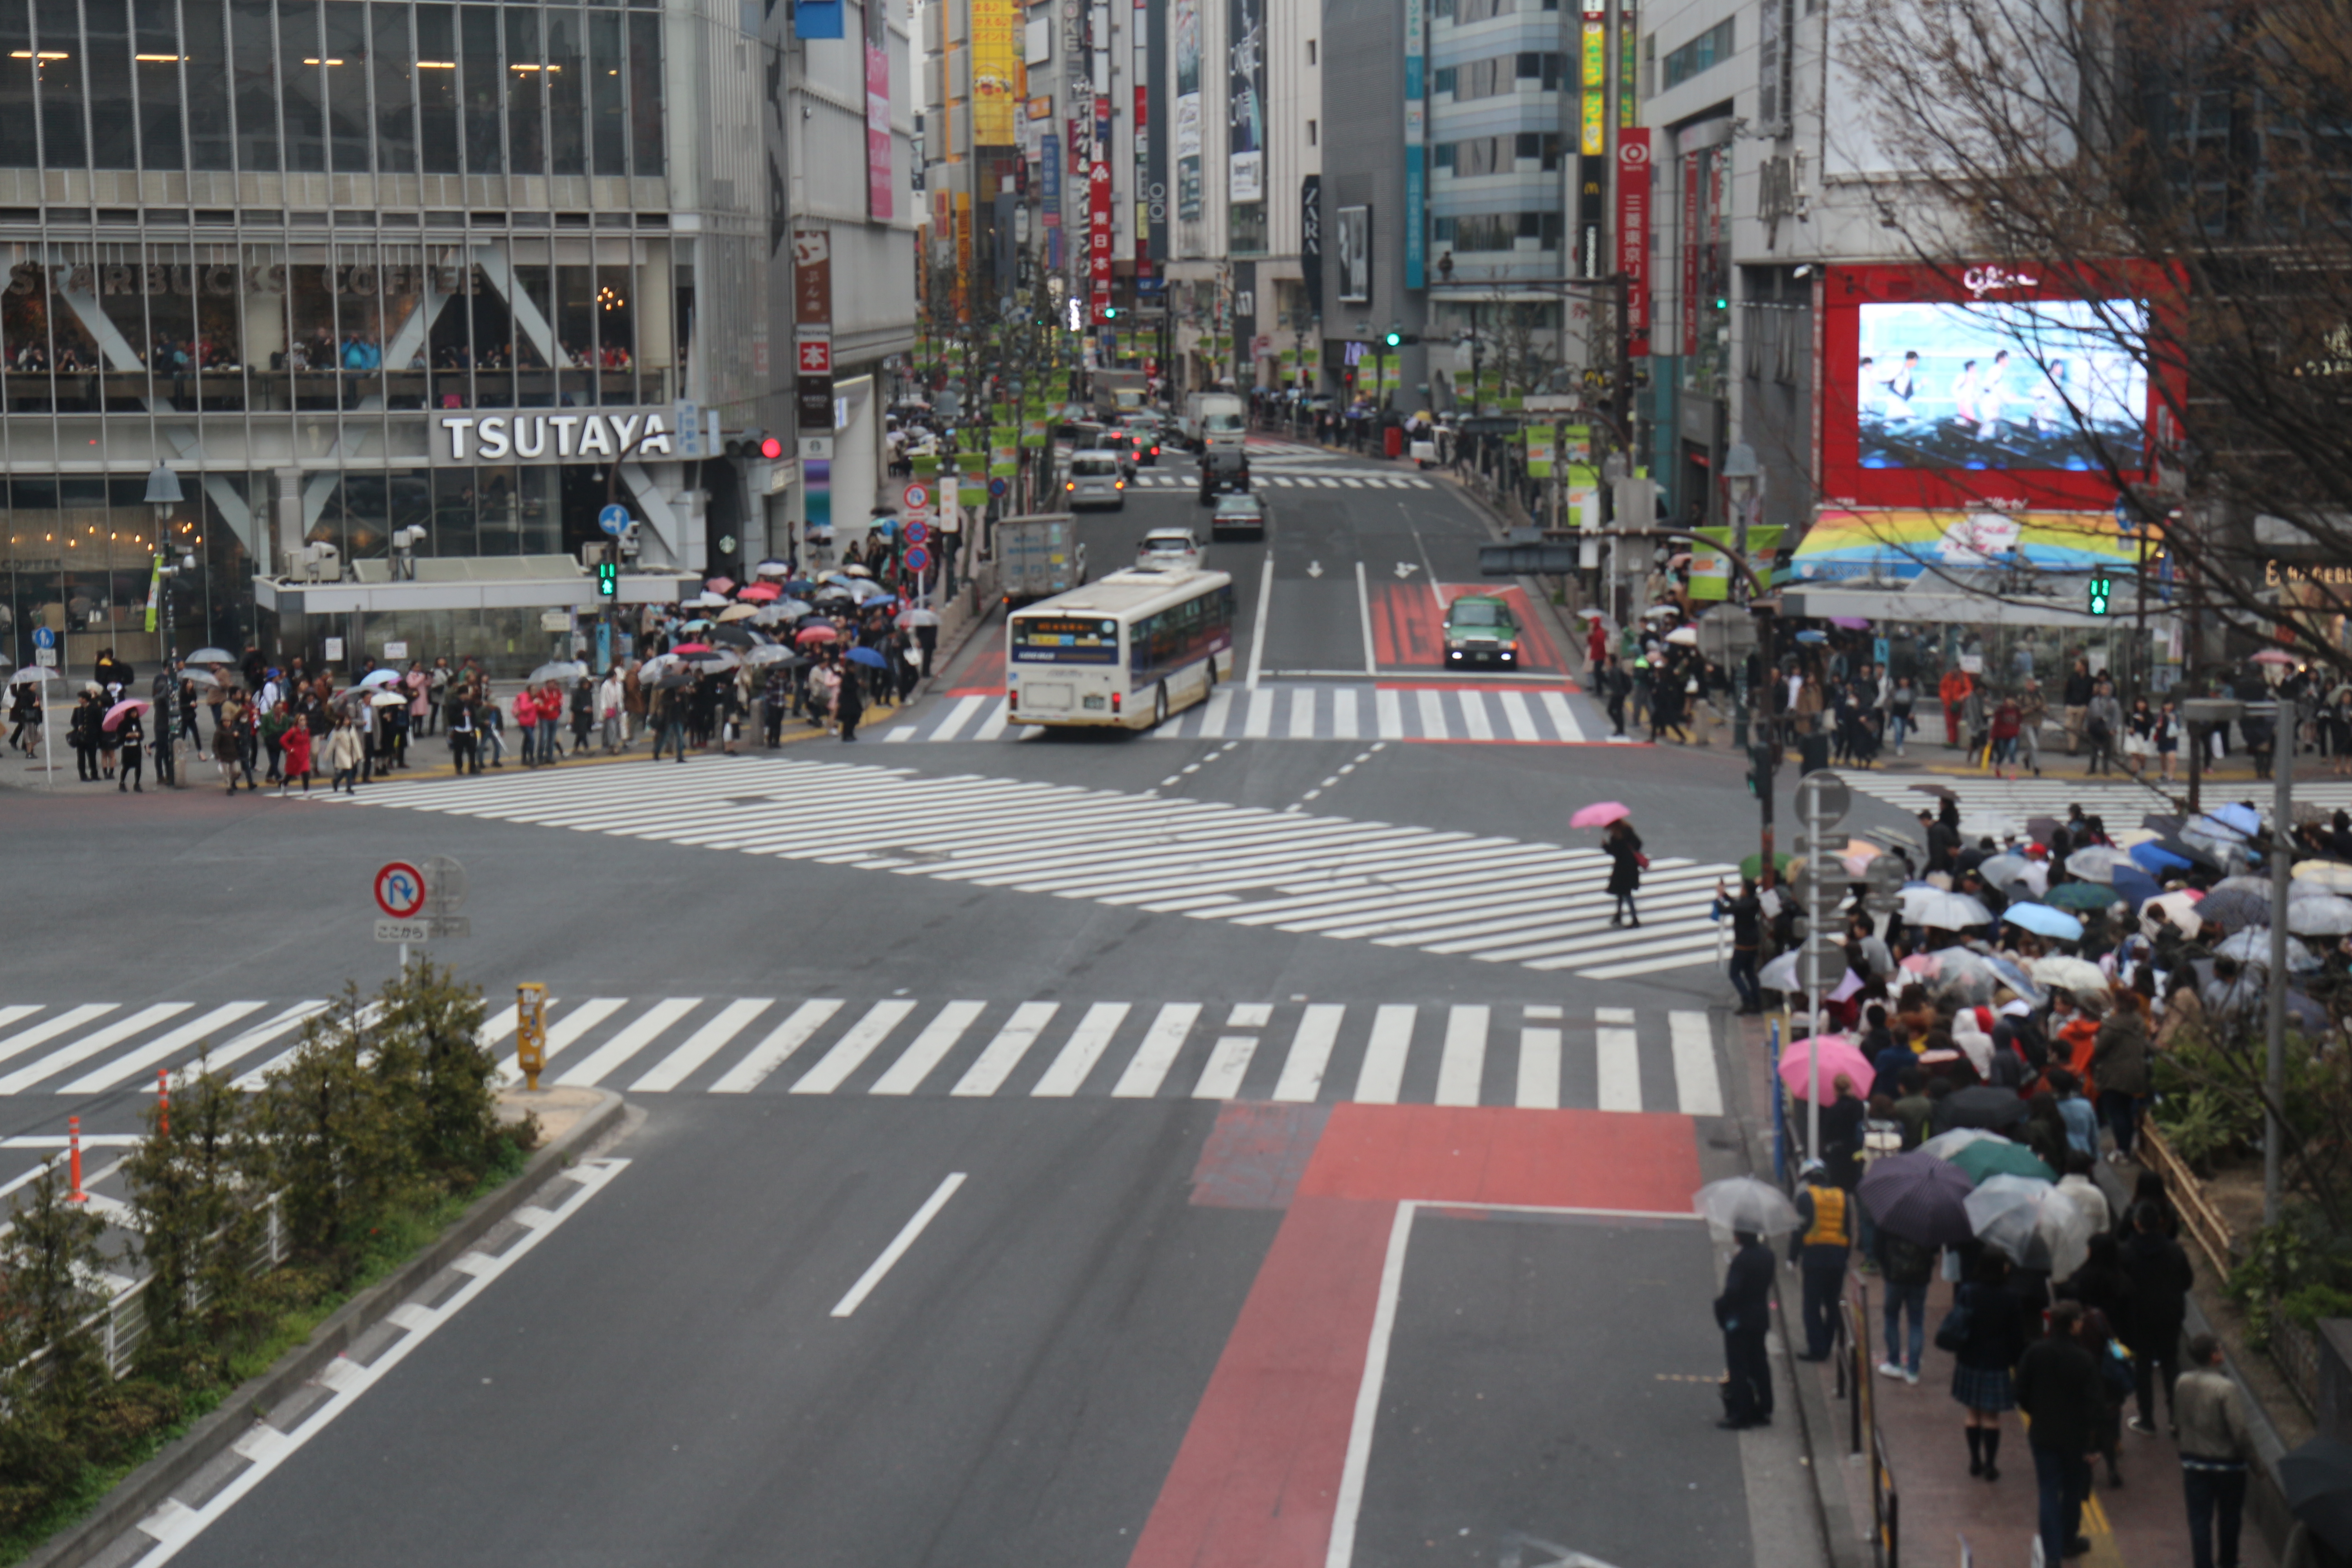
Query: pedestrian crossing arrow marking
x,y
1407,568
1515,1555
1314,568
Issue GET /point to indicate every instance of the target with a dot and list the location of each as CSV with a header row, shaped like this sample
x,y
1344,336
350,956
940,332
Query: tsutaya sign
x,y
554,437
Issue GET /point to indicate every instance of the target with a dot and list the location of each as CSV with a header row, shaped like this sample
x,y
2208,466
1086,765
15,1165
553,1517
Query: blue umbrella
x,y
2243,821
799,586
1809,635
867,655
2135,886
2154,858
2043,921
879,599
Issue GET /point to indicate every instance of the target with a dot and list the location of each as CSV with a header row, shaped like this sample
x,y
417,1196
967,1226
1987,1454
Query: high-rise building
x,y
403,294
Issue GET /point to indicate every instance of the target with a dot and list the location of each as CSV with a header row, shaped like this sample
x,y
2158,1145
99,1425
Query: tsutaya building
x,y
391,287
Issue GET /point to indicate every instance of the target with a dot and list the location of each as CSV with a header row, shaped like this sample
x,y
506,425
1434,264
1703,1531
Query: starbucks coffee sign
x,y
554,436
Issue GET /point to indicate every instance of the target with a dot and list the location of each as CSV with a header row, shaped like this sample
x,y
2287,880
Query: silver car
x,y
1097,478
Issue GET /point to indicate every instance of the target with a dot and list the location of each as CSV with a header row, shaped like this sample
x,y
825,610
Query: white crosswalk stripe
x,y
1529,1055
1273,475
1537,715
2121,802
1499,901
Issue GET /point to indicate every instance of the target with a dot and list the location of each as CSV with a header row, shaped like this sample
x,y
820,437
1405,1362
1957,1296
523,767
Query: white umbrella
x,y
2326,873
858,570
919,618
1743,1202
389,699
2000,870
1683,636
211,655
1780,975
2179,908
2030,1223
1988,825
2325,915
710,601
2096,864
2069,974
772,569
31,674
1941,911
378,677
2252,945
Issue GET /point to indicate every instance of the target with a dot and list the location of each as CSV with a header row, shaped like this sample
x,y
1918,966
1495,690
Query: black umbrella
x,y
2317,1482
1983,1106
1919,1198
733,637
675,680
2040,828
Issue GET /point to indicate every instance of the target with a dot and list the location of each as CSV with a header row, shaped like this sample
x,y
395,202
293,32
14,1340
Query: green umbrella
x,y
1998,1157
2083,896
1753,866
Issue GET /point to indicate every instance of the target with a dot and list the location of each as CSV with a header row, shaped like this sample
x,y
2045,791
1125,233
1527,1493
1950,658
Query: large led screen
x,y
2048,384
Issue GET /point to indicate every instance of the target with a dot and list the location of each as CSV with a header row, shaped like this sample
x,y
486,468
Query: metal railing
x,y
1864,1439
125,1322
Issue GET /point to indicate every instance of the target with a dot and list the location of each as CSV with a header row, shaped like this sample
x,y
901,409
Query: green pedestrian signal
x,y
608,580
2102,590
1394,339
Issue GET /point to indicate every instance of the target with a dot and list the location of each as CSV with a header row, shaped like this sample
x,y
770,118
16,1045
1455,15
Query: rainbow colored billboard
x,y
1896,546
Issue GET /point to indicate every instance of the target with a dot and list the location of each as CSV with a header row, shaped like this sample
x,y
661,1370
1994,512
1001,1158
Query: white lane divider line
x,y
898,1248
1349,1506
183,1525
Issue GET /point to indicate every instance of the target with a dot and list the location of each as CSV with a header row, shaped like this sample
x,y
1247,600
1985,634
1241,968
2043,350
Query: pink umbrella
x,y
1839,1055
129,705
1601,813
821,632
1849,623
2273,656
693,647
721,585
761,593
1920,963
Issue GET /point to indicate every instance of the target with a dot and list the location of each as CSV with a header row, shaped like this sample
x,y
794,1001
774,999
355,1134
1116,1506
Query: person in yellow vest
x,y
1823,1238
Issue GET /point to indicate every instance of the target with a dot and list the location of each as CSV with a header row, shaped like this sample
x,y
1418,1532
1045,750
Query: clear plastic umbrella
x,y
2030,1223
2325,915
2252,945
1743,1202
1941,911
1944,1145
2069,974
2095,864
2326,873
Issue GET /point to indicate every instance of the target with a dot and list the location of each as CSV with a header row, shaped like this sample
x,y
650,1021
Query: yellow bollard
x,y
531,1031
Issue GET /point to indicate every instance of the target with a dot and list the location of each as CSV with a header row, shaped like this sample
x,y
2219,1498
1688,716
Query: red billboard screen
x,y
1990,386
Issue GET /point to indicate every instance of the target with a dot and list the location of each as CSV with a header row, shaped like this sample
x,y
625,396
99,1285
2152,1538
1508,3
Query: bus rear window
x,y
1065,640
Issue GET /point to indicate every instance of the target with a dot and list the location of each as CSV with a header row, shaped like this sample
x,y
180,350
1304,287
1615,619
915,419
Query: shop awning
x,y
470,583
1935,603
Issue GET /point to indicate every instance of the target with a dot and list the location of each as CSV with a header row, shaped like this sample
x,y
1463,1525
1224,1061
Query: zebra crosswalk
x,y
1499,901
1536,715
1286,478
1533,1056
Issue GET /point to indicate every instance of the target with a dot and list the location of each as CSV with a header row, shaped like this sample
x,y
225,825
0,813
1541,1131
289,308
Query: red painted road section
x,y
1256,1483
983,673
1409,625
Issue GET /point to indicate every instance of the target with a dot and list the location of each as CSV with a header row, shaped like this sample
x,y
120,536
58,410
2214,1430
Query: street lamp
x,y
163,494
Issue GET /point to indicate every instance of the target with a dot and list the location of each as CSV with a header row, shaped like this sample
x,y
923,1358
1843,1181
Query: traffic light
x,y
2102,590
1395,338
608,580
771,448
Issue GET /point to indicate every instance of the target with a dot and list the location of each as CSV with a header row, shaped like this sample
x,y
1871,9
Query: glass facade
x,y
344,87
268,242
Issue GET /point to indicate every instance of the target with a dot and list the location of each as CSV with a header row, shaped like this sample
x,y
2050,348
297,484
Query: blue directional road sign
x,y
44,637
613,520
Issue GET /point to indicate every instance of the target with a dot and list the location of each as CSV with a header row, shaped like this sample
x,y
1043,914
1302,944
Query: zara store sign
x,y
549,437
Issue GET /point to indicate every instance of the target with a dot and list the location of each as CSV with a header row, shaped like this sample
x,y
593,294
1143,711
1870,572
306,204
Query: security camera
x,y
407,538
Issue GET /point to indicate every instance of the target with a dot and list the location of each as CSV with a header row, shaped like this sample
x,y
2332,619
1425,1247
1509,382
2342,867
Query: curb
x,y
139,1493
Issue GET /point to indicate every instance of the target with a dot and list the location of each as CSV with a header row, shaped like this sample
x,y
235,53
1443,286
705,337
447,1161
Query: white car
x,y
1095,478
1170,549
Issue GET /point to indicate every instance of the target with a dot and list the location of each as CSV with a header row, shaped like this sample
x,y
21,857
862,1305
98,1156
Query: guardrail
x,y
1864,1439
123,1324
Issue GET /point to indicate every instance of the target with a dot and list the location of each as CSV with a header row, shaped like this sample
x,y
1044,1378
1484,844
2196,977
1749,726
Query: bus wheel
x,y
1160,705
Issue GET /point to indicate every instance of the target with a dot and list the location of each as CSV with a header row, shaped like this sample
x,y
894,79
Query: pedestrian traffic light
x,y
1395,338
771,448
2102,589
608,580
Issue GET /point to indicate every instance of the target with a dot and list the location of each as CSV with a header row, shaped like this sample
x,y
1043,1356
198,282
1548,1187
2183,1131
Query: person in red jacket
x,y
295,758
526,718
1953,690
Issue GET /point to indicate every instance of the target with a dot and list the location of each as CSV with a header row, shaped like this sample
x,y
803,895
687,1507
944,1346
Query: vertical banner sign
x,y
1628,31
1245,102
995,92
1633,234
878,112
1690,241
1311,241
1100,226
1156,176
1594,123
1416,131
1049,178
1138,32
812,327
963,255
1186,46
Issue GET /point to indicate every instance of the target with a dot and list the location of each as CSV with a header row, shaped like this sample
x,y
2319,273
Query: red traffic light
x,y
771,448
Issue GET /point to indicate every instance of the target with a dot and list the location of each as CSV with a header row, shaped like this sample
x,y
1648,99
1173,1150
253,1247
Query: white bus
x,y
1127,650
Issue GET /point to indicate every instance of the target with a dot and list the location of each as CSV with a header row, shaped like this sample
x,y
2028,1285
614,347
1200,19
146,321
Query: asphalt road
x,y
1158,1281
